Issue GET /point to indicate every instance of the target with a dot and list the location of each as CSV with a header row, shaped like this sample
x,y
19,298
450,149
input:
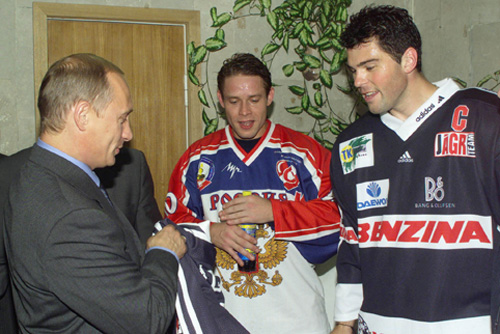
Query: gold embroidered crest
x,y
251,285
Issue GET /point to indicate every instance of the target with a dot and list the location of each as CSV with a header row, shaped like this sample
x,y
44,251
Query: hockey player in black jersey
x,y
418,181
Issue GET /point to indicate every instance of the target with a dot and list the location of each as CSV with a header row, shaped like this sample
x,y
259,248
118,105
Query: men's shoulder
x,y
478,95
15,160
210,141
363,125
294,136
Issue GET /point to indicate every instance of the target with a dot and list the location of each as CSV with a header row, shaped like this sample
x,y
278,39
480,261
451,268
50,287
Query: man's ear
x,y
81,114
270,96
221,99
409,60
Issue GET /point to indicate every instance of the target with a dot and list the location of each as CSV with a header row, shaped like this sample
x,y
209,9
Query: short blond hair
x,y
78,77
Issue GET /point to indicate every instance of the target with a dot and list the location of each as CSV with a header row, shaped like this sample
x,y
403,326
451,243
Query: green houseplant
x,y
308,31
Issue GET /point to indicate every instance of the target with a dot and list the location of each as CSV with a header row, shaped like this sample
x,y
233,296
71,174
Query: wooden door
x,y
152,54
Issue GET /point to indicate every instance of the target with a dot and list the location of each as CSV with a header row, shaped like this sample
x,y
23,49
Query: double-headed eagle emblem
x,y
253,284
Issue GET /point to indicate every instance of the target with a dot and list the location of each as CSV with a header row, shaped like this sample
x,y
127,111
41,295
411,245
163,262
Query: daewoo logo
x,y
372,194
423,231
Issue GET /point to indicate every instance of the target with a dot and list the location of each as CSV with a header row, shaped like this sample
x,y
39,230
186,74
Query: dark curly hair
x,y
244,64
392,27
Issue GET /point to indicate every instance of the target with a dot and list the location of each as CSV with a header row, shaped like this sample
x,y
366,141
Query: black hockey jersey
x,y
420,202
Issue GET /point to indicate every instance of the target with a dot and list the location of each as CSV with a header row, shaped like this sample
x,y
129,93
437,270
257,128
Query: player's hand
x,y
247,209
233,239
349,329
168,238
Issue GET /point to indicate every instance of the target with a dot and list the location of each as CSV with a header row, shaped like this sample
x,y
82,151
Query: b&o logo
x,y
434,189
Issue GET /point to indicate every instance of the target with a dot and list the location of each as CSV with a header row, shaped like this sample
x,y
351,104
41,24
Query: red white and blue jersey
x,y
420,203
290,169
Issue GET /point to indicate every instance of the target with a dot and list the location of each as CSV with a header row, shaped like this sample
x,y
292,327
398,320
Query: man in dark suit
x,y
8,324
76,263
130,187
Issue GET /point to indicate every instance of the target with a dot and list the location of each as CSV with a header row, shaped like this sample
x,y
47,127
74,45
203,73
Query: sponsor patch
x,y
455,144
425,231
372,194
356,153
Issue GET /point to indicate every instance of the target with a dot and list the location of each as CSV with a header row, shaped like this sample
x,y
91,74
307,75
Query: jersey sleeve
x,y
349,290
312,222
183,202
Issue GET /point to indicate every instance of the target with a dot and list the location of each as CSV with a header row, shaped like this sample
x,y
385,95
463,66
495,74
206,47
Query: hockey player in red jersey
x,y
292,203
418,181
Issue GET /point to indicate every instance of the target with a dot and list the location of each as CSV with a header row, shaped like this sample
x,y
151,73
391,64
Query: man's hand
x,y
247,209
344,327
233,239
168,238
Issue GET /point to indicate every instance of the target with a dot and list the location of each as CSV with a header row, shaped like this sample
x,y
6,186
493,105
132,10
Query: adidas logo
x,y
405,158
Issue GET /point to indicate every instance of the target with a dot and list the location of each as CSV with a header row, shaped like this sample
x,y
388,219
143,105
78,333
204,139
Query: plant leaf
x,y
334,130
213,13
318,99
305,103
301,66
315,113
220,34
193,78
326,78
286,42
311,61
288,69
265,3
190,49
240,4
199,54
294,110
336,63
484,80
304,37
272,18
221,20
269,48
327,144
203,98
205,118
214,122
214,44
297,90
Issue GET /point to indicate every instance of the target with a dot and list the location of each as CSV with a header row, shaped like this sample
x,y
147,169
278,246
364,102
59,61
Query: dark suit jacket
x,y
130,187
76,263
9,167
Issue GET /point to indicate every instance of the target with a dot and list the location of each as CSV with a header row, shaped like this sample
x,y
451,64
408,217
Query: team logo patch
x,y
287,174
455,144
356,153
206,171
372,194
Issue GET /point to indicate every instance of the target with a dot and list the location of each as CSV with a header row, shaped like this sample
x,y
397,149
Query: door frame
x,y
43,12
